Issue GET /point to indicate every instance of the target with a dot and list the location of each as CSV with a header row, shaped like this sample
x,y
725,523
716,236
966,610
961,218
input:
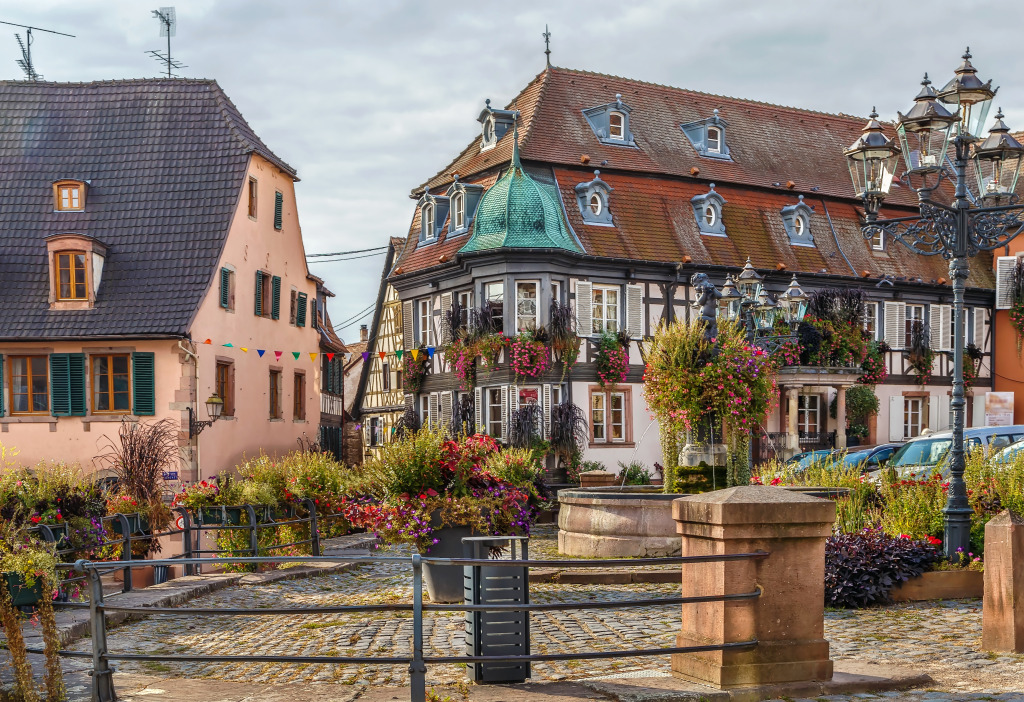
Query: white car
x,y
925,455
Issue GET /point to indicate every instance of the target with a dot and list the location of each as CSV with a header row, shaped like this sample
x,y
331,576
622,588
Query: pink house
x,y
150,257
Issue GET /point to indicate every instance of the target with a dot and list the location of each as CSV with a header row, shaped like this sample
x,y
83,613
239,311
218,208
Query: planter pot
x,y
597,478
940,585
21,594
234,515
211,515
59,532
446,583
134,524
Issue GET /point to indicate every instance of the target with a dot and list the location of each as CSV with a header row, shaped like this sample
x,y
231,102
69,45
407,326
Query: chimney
x,y
362,332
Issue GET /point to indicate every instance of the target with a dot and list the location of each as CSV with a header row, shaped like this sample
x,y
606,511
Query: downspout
x,y
836,237
192,400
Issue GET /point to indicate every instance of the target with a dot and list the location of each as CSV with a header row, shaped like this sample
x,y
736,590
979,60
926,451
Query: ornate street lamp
x,y
749,282
793,303
214,407
955,231
872,164
730,301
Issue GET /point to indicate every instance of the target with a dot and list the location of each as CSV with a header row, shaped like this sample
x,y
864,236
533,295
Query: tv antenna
x,y
25,62
168,27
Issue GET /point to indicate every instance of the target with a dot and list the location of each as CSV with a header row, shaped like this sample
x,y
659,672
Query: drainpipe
x,y
192,400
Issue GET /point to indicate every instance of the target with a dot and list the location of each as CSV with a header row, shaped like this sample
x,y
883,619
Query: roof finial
x,y
547,45
516,163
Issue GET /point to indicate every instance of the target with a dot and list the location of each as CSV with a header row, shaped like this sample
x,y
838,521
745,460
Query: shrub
x,y
634,473
861,569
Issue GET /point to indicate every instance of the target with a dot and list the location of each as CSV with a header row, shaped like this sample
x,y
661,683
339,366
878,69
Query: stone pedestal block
x,y
597,478
1003,608
788,619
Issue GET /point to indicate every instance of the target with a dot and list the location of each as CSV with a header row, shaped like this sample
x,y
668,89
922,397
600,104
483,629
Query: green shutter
x,y
278,210
1,385
76,383
259,293
300,311
225,287
60,385
143,383
275,310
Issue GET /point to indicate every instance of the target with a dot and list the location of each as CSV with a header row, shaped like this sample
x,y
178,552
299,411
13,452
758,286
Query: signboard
x,y
529,396
179,522
998,409
170,475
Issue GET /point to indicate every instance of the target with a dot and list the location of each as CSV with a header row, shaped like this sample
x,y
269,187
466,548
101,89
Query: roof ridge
x,y
104,81
229,110
543,78
840,115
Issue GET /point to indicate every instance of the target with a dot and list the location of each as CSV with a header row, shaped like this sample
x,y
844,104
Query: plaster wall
x,y
645,444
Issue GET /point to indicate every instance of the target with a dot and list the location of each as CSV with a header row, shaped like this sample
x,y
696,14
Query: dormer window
x,y
592,199
433,215
463,198
494,125
69,195
797,221
458,210
707,210
708,137
611,123
76,268
71,278
428,221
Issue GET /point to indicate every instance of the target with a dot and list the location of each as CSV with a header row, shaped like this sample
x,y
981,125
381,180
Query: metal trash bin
x,y
160,574
500,633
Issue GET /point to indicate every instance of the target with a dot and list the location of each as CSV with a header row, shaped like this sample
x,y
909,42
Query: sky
x,y
369,99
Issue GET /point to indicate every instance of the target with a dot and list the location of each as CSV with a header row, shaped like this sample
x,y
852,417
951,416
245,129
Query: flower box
x,y
59,532
134,524
941,585
283,512
21,594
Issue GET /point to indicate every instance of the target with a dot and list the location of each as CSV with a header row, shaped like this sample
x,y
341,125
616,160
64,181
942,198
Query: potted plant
x,y
430,491
201,499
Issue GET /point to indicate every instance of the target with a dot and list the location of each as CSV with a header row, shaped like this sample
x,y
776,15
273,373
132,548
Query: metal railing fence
x,y
102,680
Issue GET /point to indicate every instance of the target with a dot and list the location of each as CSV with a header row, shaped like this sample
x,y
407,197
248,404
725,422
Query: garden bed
x,y
941,585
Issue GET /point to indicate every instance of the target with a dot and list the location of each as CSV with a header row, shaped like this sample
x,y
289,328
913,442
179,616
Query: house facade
x,y
333,353
152,258
606,195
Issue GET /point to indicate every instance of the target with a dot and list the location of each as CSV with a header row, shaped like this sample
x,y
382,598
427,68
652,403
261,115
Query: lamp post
x,y
745,299
974,222
214,407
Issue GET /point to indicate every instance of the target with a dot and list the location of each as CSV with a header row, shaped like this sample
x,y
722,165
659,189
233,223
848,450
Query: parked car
x,y
803,461
870,458
927,454
1008,454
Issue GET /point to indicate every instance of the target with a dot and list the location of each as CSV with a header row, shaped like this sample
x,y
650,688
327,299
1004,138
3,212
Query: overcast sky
x,y
369,99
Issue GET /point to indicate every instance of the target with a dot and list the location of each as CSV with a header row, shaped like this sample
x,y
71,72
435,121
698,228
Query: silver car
x,y
928,454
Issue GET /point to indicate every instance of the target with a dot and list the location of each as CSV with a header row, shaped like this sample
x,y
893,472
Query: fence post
x,y
126,550
254,542
314,530
186,539
417,668
102,675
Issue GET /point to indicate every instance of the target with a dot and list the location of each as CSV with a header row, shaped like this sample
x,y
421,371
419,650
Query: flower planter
x,y
446,583
597,478
283,512
134,524
21,594
59,532
940,585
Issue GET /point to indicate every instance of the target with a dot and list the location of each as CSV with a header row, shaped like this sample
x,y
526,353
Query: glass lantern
x,y
793,303
749,282
872,159
214,406
729,302
997,162
966,94
765,311
924,135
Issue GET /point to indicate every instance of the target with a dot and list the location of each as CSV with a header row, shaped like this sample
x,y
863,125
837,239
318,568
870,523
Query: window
x,y
494,293
278,210
878,240
426,321
799,225
488,131
465,305
608,416
225,387
714,140
69,197
596,206
808,415
494,418
606,309
556,291
707,210
111,384
299,396
276,387
375,431
30,385
616,126
871,319
227,289
459,211
71,277
398,379
424,410
252,198
428,222
915,313
710,215
913,416
526,306
268,295
385,376
293,307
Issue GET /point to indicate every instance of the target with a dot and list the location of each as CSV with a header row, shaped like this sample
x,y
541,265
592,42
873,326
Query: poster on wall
x,y
998,409
529,396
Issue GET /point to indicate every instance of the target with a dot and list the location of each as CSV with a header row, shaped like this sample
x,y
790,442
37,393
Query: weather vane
x,y
25,62
547,45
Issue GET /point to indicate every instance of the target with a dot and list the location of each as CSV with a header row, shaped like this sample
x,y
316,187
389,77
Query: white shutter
x,y
635,310
446,409
504,413
547,411
896,417
941,317
432,410
941,421
584,308
933,413
410,402
1004,281
408,337
896,327
979,328
446,306
478,409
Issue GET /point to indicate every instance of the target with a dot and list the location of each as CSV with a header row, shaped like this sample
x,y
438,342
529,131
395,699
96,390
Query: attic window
x,y
616,126
797,221
592,199
710,215
76,269
610,123
71,278
428,221
707,210
458,210
494,125
714,140
463,198
69,196
708,137
596,205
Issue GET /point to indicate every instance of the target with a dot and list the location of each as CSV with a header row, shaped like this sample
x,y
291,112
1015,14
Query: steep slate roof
x,y
165,159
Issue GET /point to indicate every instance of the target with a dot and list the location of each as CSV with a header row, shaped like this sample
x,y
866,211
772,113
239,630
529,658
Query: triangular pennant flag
x,y
415,354
312,357
277,355
399,353
382,354
207,342
366,355
244,349
330,357
296,354
230,346
261,352
430,351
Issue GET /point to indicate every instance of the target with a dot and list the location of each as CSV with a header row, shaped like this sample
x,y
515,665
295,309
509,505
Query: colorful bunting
x,y
230,346
312,357
366,356
207,342
277,355
296,354
244,349
382,354
415,354
330,357
399,353
430,351
261,352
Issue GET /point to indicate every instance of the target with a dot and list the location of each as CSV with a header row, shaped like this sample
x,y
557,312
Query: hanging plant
x,y
462,357
611,360
920,355
416,369
971,361
873,368
489,348
528,357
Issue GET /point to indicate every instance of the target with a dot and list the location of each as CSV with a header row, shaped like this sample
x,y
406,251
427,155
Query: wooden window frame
x,y
536,301
489,406
385,376
267,303
922,414
275,391
627,416
718,140
59,186
253,197
293,313
46,373
71,253
299,396
908,321
458,211
602,319
94,390
429,225
807,411
873,327
617,133
425,319
225,385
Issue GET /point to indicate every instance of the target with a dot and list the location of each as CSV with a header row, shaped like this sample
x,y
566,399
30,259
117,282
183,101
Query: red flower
x,y
35,518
